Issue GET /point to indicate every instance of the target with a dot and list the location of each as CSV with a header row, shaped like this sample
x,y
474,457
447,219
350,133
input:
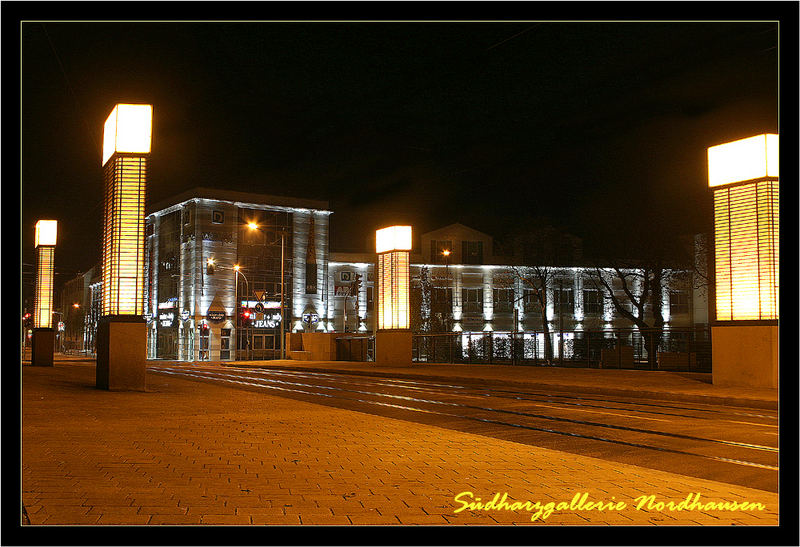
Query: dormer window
x,y
472,252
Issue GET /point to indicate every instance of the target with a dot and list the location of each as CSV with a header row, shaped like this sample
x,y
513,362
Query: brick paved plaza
x,y
198,453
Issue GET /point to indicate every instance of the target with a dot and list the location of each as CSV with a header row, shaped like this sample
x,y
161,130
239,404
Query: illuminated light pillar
x,y
393,337
43,338
121,330
743,176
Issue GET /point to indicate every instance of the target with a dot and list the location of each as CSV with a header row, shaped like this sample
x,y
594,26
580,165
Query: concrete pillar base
x,y
744,356
393,348
43,343
121,353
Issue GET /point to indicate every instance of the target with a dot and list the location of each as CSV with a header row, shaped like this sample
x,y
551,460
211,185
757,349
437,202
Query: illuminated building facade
x,y
468,290
195,241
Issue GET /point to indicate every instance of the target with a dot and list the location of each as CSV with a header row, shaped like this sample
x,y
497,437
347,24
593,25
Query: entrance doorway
x,y
263,347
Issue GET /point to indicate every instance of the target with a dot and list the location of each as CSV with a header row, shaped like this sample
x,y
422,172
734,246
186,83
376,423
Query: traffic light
x,y
356,288
204,328
247,316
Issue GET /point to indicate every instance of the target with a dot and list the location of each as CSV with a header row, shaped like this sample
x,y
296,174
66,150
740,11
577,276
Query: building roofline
x,y
240,197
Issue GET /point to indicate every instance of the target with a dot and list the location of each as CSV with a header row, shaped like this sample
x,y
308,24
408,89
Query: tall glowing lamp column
x,y
393,337
743,176
121,330
43,338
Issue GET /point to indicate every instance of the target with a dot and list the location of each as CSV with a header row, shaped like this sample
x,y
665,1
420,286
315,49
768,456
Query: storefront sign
x,y
216,316
342,290
166,318
185,315
269,321
311,318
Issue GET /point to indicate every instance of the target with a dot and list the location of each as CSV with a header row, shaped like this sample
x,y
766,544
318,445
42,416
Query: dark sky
x,y
602,128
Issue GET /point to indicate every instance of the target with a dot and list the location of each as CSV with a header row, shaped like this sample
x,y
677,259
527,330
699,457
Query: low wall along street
x,y
745,356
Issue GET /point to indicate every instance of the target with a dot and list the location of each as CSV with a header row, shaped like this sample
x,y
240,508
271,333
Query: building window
x,y
205,341
472,252
563,301
225,344
442,297
529,301
503,300
436,251
678,302
592,302
472,300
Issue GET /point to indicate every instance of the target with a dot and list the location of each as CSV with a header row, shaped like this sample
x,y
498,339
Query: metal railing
x,y
665,349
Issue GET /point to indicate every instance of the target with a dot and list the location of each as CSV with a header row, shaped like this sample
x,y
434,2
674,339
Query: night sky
x,y
600,128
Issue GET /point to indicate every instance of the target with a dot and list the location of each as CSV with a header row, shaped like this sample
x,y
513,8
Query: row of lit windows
x,y
504,300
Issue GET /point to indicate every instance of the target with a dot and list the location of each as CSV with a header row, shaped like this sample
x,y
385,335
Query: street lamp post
x,y
237,273
255,226
446,255
283,238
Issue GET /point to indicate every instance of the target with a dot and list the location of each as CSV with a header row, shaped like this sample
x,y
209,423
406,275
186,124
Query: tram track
x,y
410,399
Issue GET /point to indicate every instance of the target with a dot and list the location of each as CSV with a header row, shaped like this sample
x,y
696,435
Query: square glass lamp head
x,y
746,159
129,129
46,232
393,238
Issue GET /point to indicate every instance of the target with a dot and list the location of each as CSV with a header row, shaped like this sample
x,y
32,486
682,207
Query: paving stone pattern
x,y
198,453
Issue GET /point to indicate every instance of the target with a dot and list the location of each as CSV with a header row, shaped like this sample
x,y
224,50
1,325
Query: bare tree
x,y
539,252
641,298
420,301
536,279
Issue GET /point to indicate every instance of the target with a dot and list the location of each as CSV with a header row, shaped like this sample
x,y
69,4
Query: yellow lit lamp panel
x,y
128,129
45,241
125,174
46,232
746,235
393,238
393,245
